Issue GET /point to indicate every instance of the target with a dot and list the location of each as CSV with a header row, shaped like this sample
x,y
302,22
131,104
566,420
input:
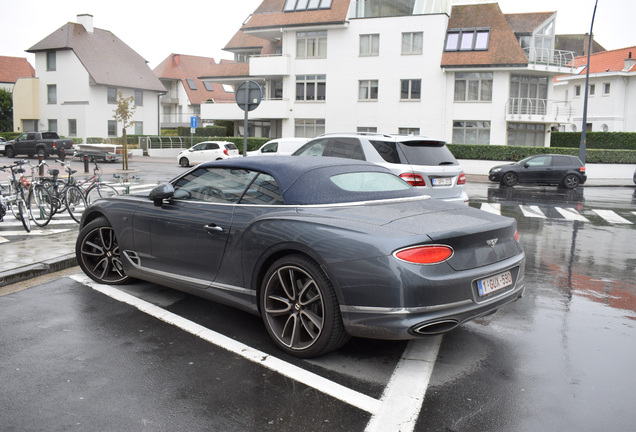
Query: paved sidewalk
x,y
39,255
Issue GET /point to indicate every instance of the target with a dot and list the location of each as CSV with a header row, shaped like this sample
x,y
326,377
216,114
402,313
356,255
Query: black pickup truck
x,y
38,144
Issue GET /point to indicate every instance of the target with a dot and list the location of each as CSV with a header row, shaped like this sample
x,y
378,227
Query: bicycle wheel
x,y
23,213
75,202
12,205
100,190
40,205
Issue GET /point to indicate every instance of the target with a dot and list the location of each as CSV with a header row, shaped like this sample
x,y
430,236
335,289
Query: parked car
x,y
634,177
3,141
550,169
207,151
279,147
41,144
423,162
321,248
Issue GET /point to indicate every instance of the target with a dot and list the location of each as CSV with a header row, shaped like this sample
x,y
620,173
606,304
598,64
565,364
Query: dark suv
x,y
423,162
561,170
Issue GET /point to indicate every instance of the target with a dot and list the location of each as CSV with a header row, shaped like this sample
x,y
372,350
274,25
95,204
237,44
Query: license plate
x,y
494,283
442,181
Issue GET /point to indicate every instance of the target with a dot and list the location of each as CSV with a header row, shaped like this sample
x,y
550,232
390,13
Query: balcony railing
x,y
550,57
174,119
538,110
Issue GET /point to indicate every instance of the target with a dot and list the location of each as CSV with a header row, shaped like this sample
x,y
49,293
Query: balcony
x,y
270,66
563,61
529,110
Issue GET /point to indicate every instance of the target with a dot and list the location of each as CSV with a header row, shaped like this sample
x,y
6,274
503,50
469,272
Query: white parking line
x,y
34,232
359,400
612,217
401,401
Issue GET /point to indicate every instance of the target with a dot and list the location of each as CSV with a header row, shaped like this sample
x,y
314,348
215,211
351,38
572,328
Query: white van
x,y
279,146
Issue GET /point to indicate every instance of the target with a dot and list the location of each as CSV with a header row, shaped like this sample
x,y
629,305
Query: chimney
x,y
629,63
87,21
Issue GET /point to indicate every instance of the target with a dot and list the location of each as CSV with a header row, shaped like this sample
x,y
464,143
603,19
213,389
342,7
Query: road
x,y
141,357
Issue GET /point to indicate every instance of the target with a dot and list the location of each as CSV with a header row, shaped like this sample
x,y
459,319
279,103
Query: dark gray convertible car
x,y
321,248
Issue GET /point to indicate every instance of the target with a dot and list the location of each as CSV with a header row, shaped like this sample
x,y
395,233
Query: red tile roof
x,y
526,23
608,61
503,49
270,15
183,67
12,68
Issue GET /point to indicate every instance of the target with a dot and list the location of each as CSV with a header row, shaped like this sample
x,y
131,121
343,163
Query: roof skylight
x,y
305,5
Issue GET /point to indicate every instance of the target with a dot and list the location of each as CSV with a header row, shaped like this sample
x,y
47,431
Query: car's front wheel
x,y
300,309
509,179
9,152
570,181
98,254
184,162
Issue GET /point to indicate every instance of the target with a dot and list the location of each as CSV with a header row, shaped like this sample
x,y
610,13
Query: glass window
x,y
473,86
412,42
302,5
191,84
311,44
606,88
370,45
367,129
139,128
408,131
72,127
112,128
263,191
311,87
208,85
51,61
220,185
368,90
52,125
592,89
471,132
467,40
411,89
369,182
139,97
577,90
309,128
51,94
111,95
526,134
388,150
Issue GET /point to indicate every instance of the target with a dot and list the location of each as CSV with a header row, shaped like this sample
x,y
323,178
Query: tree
x,y
6,111
123,113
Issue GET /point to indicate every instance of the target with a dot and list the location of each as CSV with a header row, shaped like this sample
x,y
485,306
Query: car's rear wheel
x,y
9,152
510,179
98,254
300,309
184,162
570,181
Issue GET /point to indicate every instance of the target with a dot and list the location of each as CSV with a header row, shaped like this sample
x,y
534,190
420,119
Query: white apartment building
x,y
79,71
465,74
611,92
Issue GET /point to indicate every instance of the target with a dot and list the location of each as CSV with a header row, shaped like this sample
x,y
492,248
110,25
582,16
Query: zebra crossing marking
x,y
491,208
612,216
532,212
571,214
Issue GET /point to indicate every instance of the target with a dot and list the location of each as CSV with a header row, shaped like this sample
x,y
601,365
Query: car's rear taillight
x,y
582,170
517,236
430,254
413,179
462,179
227,153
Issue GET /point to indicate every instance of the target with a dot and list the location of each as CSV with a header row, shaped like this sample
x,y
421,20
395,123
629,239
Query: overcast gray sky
x,y
203,27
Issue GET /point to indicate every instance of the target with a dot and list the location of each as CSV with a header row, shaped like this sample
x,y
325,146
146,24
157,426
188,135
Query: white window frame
x,y
369,45
314,88
51,94
311,44
368,86
473,80
412,43
479,129
409,90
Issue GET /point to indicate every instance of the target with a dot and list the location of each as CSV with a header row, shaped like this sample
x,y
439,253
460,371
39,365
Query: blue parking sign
x,y
193,121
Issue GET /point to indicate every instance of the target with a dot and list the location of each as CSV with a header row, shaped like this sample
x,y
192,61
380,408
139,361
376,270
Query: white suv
x,y
423,162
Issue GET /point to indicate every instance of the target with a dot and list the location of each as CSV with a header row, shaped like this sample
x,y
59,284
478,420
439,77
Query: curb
x,y
30,271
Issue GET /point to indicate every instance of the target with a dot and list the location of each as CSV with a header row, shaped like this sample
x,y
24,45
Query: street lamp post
x,y
587,85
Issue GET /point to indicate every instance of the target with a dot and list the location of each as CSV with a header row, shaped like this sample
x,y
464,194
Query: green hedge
x,y
516,153
595,140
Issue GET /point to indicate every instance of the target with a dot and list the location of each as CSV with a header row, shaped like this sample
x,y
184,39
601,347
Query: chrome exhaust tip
x,y
436,327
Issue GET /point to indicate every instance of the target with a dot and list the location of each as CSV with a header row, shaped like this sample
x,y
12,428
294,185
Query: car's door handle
x,y
212,228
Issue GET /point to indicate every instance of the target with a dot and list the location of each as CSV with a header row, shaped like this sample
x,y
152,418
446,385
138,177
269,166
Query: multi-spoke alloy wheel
x,y
300,309
509,179
98,253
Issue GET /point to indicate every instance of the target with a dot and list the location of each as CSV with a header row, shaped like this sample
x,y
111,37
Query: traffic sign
x,y
249,95
193,122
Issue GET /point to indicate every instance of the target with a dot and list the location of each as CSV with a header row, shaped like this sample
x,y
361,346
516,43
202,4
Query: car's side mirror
x,y
526,165
161,192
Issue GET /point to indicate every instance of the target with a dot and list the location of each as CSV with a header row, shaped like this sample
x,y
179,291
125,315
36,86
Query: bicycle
x,y
67,197
15,199
39,199
93,187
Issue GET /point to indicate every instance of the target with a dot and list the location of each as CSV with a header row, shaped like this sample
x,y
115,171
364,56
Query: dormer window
x,y
467,39
305,5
